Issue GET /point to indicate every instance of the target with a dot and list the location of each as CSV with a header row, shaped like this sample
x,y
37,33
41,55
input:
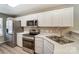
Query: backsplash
x,y
75,35
58,30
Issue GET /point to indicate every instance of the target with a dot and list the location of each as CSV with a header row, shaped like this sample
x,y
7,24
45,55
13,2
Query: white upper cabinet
x,y
63,17
67,16
22,19
44,19
57,18
23,23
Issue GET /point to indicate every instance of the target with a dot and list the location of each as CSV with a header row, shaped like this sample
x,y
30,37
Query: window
x,y
1,27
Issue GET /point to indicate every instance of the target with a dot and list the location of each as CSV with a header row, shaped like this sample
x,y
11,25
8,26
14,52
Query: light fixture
x,y
13,5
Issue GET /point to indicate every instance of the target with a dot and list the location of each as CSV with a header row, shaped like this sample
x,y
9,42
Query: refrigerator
x,y
12,28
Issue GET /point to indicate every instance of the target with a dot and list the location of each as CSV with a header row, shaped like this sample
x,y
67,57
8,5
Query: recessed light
x,y
13,5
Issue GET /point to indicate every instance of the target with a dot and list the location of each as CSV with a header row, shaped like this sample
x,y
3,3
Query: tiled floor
x,y
5,49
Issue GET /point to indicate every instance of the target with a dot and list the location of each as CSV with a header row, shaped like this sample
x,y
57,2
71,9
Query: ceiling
x,y
23,9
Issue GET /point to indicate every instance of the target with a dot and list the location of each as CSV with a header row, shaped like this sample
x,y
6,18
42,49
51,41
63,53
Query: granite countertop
x,y
60,40
76,42
44,35
66,48
62,48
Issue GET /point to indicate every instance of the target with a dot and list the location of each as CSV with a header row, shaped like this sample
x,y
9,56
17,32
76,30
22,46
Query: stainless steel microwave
x,y
32,23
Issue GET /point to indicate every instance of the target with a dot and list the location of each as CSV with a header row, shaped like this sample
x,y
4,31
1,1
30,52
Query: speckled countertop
x,y
70,48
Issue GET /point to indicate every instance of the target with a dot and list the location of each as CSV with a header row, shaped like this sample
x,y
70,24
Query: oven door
x,y
28,45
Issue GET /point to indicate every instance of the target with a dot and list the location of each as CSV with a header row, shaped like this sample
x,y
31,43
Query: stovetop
x,y
29,35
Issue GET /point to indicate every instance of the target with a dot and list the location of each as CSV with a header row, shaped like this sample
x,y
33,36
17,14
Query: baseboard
x,y
3,43
18,46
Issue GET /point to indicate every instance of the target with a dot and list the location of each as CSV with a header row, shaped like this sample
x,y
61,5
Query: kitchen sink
x,y
60,40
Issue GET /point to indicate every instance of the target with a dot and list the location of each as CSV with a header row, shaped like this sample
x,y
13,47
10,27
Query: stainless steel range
x,y
29,41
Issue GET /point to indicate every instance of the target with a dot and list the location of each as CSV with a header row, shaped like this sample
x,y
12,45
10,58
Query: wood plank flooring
x,y
5,49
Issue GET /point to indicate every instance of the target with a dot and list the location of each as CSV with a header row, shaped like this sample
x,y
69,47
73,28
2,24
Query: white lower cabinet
x,y
43,46
19,40
39,45
48,47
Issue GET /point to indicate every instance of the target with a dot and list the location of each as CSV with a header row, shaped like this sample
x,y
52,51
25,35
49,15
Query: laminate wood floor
x,y
5,49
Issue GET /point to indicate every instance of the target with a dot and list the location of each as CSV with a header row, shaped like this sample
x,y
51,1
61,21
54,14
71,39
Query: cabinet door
x,y
48,47
35,16
23,23
67,16
44,19
62,17
39,45
56,18
19,40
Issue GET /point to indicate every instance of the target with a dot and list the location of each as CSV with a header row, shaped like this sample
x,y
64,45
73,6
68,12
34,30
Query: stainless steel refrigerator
x,y
12,28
